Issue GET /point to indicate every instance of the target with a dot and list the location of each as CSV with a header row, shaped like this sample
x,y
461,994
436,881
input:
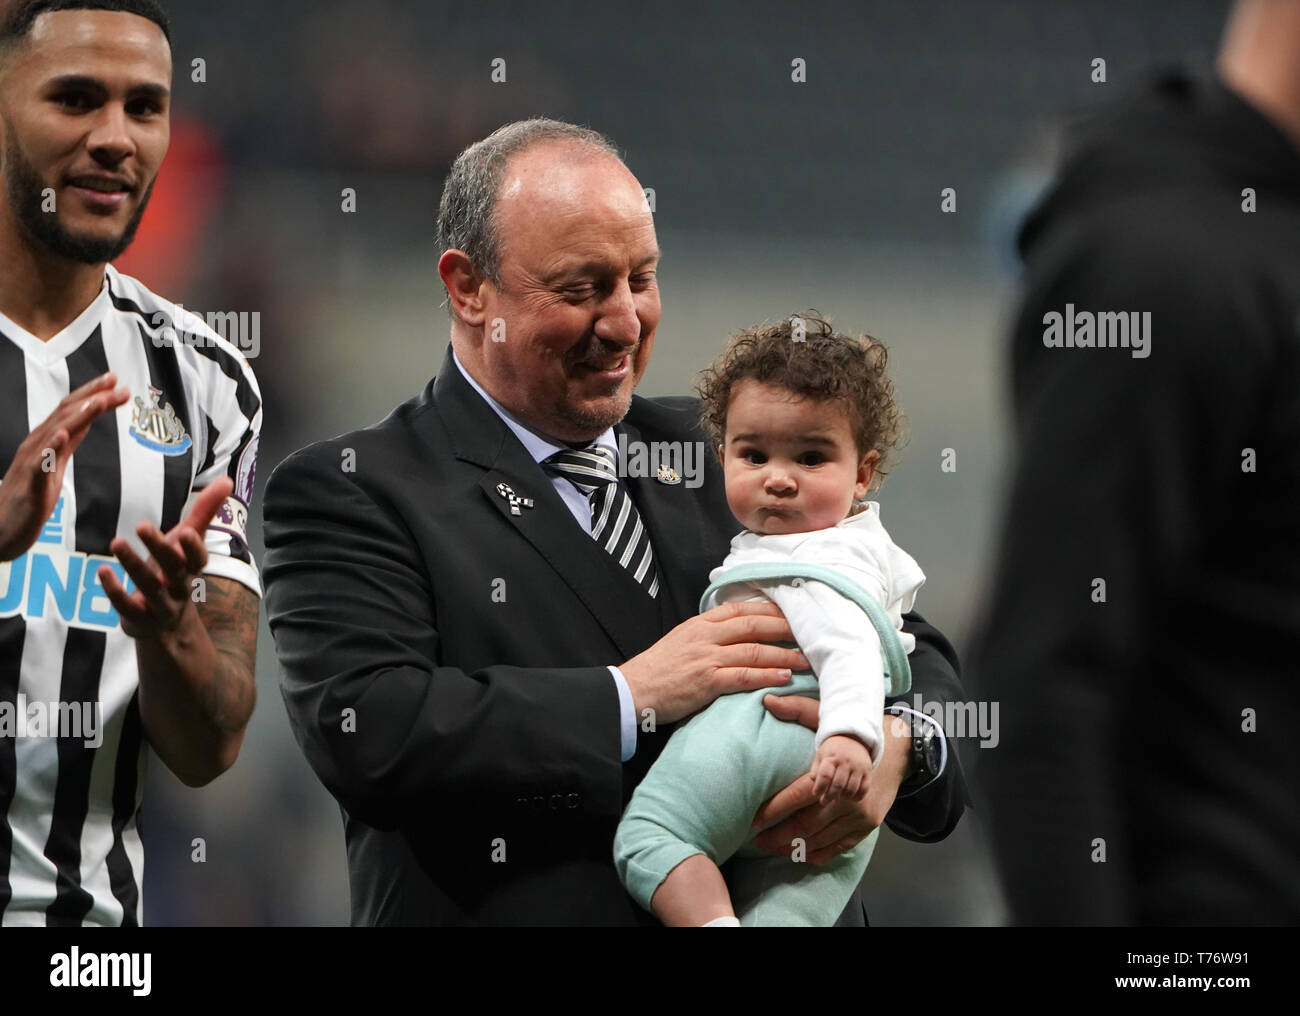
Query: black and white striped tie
x,y
615,522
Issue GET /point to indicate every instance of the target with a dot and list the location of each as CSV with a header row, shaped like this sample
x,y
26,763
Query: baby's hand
x,y
842,769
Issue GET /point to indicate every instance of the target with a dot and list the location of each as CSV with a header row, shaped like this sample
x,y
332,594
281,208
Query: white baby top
x,y
832,631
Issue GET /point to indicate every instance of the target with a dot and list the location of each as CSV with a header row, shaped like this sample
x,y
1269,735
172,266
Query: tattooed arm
x,y
196,684
196,658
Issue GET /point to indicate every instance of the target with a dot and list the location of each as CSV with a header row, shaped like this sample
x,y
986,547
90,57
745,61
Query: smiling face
x,y
790,463
84,101
578,296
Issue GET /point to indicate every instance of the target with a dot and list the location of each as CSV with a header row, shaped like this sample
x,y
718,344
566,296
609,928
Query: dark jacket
x,y
1143,632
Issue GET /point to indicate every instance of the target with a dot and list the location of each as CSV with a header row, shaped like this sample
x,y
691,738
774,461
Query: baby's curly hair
x,y
823,364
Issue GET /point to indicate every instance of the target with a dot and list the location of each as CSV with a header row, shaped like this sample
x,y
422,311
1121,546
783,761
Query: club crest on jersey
x,y
155,425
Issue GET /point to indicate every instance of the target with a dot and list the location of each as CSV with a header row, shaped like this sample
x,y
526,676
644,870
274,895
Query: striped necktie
x,y
615,522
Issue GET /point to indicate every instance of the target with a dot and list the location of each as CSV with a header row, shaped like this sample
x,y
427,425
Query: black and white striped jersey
x,y
72,751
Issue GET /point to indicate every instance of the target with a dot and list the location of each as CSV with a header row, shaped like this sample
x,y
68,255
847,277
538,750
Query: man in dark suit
x,y
479,681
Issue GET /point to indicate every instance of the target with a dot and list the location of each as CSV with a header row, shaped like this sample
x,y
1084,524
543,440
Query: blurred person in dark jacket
x,y
1143,636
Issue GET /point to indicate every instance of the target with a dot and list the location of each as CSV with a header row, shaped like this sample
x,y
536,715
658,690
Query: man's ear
x,y
721,459
465,286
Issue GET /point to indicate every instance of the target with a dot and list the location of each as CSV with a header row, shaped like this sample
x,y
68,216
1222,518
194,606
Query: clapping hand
x,y
34,481
164,584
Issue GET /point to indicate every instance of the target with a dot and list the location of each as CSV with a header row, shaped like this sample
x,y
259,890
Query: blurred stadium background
x,y
771,197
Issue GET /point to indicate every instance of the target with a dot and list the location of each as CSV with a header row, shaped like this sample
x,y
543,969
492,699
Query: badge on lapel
x,y
507,492
667,474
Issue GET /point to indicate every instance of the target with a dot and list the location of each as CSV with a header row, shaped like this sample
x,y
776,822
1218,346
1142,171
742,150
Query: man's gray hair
x,y
467,211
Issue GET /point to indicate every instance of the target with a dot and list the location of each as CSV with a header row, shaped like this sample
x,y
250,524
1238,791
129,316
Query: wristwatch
x,y
925,756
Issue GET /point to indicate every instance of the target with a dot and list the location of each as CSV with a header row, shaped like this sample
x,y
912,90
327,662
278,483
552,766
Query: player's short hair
x,y
805,355
22,14
467,211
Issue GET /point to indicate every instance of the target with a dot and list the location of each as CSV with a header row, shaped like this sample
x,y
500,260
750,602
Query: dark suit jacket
x,y
444,661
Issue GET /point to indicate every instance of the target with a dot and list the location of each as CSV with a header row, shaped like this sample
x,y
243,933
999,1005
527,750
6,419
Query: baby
x,y
803,419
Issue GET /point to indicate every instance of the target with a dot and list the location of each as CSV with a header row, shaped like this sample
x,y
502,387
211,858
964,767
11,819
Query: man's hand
x,y
830,829
31,487
842,769
163,597
712,654
196,659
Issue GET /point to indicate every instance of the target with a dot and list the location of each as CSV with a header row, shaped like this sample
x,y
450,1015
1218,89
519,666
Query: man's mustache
x,y
600,353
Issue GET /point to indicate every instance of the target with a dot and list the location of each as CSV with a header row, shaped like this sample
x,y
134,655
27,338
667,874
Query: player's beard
x,y
25,191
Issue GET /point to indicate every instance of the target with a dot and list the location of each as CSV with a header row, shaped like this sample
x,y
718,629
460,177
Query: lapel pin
x,y
667,474
507,492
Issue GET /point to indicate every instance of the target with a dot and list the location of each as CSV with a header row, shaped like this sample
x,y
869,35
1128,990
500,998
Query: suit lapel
x,y
621,607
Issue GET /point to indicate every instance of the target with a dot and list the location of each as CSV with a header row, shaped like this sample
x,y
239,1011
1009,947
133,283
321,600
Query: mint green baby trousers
x,y
719,768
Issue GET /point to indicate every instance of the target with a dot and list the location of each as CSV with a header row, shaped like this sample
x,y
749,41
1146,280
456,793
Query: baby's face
x,y
790,463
